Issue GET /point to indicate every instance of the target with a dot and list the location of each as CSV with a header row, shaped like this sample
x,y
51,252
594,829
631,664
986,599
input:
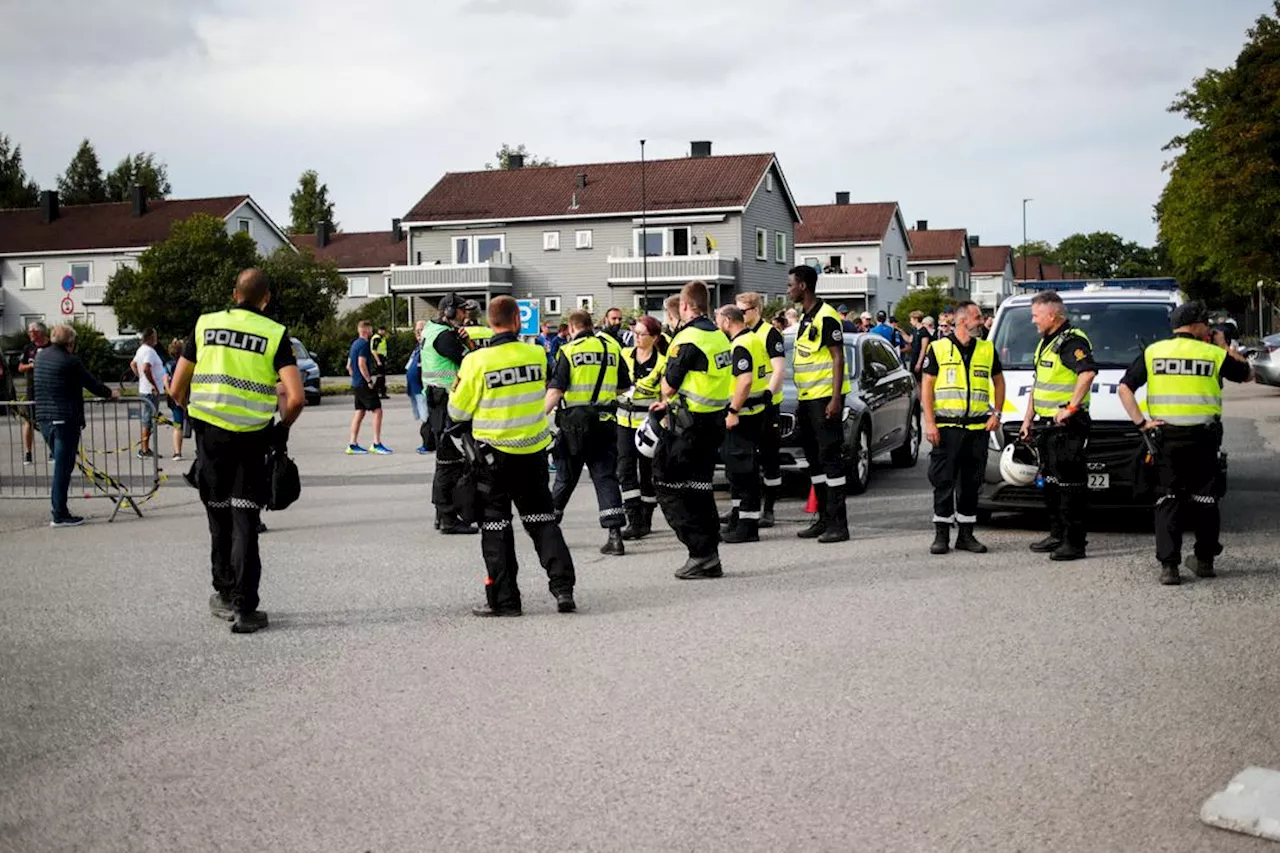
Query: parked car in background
x,y
123,349
1266,360
310,371
881,412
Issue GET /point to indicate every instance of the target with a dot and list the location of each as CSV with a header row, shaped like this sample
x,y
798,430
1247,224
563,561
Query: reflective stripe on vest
x,y
234,384
586,356
501,390
761,372
1183,385
710,389
644,392
962,398
437,371
812,365
1055,382
762,331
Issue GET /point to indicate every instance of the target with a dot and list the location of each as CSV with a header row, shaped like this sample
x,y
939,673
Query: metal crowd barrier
x,y
107,464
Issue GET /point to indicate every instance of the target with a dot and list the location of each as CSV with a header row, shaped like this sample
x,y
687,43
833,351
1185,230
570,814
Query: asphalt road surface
x,y
864,696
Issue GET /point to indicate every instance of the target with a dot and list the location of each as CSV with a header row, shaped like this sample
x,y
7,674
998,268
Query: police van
x,y
1120,323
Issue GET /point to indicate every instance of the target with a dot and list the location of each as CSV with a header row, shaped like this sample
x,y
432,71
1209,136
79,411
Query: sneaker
x,y
178,457
145,454
355,450
220,608
381,449
69,521
248,623
26,459
422,450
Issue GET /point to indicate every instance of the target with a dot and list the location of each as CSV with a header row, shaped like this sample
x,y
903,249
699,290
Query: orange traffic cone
x,y
812,504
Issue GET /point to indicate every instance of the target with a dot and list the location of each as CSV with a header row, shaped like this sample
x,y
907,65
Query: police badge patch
x,y
744,363
837,336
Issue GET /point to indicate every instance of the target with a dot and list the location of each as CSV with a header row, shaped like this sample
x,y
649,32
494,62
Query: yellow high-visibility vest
x,y
644,391
234,385
710,389
812,366
1183,384
962,398
1055,382
501,390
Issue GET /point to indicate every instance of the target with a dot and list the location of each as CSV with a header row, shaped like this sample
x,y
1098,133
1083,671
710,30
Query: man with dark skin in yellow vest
x,y
227,379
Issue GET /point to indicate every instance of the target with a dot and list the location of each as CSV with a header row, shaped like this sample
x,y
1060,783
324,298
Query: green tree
x,y
503,156
16,188
188,274
1106,255
96,353
142,168
931,300
1036,249
1219,213
304,290
82,183
310,204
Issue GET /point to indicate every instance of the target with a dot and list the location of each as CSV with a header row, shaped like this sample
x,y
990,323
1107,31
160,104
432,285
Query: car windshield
x,y
299,351
1119,331
850,355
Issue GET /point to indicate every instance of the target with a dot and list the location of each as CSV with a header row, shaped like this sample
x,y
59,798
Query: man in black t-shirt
x,y
38,339
921,337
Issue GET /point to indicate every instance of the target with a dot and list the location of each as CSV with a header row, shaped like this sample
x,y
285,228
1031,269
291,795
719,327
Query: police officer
x,y
646,365
226,379
476,334
751,305
696,390
443,350
671,311
500,394
744,424
584,384
962,398
1184,376
821,382
1059,406
378,343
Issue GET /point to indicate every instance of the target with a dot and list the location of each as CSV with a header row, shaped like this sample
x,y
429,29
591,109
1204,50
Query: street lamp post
x,y
644,234
1024,237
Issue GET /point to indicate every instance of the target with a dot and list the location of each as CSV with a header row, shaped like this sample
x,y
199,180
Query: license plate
x,y
1099,481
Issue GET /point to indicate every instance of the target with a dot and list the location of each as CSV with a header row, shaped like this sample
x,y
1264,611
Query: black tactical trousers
x,y
1066,478
741,450
822,440
1187,494
231,475
682,474
450,465
956,467
770,446
635,471
520,480
600,456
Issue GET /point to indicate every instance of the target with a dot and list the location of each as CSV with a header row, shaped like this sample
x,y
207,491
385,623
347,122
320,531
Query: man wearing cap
x,y
442,353
1183,425
846,324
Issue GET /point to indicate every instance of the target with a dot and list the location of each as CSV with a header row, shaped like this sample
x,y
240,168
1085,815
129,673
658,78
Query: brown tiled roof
x,y
689,183
1052,272
990,259
356,249
103,226
942,245
845,223
1031,264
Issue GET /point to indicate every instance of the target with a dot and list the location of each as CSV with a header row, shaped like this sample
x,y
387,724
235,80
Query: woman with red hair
x,y
635,471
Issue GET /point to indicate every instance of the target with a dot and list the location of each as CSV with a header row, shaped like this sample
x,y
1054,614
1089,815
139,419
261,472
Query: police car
x,y
1120,323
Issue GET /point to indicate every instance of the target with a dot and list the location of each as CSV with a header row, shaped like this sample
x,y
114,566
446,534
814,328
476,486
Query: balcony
x,y
492,276
847,284
673,269
88,293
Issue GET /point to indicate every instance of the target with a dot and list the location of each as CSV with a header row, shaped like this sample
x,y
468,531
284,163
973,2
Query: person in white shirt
x,y
149,368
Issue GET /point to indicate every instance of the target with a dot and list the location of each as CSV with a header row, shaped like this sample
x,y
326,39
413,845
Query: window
x,y
478,250
662,241
582,239
550,241
81,272
357,287
33,277
762,244
487,247
28,319
1119,331
551,304
126,264
586,303
245,226
768,182
656,305
899,276
462,250
813,262
780,247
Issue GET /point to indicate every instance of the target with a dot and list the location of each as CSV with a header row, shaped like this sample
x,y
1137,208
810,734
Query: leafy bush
x,y
931,300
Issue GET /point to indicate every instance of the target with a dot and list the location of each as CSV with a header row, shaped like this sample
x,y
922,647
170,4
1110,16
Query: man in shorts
x,y
361,366
37,339
149,368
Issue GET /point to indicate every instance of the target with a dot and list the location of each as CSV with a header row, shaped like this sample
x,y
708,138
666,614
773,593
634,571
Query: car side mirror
x,y
877,371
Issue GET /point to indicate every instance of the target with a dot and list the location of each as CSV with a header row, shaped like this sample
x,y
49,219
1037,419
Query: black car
x,y
881,412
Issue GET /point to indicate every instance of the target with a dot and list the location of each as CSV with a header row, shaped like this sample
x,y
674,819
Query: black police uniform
x,y
770,445
449,462
741,457
822,440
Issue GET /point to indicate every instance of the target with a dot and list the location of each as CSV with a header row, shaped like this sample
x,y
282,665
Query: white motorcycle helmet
x,y
649,434
1019,463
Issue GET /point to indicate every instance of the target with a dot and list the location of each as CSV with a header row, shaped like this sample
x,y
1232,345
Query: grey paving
x,y
857,697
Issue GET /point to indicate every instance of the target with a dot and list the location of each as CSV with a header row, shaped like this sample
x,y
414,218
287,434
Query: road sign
x,y
68,285
529,316
68,307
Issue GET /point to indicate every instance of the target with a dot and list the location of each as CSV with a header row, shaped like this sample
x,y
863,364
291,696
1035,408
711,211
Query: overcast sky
x,y
956,110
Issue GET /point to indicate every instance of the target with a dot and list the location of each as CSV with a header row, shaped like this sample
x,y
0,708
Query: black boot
x,y
730,522
1169,574
453,525
837,521
1048,544
646,519
941,538
766,516
966,542
746,530
631,531
1066,551
614,547
819,524
1200,567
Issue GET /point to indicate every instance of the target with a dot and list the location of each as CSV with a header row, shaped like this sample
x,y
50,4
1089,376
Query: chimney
x,y
582,180
515,161
973,240
397,233
48,205
700,149
922,225
322,234
139,196
842,198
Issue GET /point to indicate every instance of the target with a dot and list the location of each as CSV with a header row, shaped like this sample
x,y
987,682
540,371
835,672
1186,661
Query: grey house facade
x,y
944,253
859,250
583,236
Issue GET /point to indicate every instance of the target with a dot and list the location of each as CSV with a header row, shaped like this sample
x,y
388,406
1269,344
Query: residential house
x,y
1029,268
940,254
592,235
41,247
364,258
992,273
859,250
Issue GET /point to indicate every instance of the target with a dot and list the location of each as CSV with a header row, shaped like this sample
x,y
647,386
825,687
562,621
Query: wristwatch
x,y
732,410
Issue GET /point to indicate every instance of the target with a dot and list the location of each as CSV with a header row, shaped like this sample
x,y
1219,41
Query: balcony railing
x,y
497,274
89,293
846,284
711,268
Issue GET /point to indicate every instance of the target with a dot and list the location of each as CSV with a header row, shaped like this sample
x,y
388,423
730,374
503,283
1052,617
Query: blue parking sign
x,y
529,316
